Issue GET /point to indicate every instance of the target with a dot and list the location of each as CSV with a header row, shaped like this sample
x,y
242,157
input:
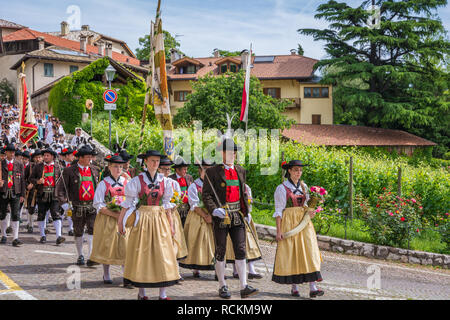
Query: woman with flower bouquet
x,y
151,261
297,258
108,246
180,242
198,228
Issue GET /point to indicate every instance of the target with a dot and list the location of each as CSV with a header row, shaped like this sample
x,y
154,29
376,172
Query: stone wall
x,y
367,249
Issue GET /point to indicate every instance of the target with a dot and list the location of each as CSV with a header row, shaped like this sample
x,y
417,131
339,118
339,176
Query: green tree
x,y
226,53
300,50
389,64
214,96
143,53
7,89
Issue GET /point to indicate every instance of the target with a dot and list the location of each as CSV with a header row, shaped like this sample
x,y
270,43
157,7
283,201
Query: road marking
x,y
374,263
14,288
54,252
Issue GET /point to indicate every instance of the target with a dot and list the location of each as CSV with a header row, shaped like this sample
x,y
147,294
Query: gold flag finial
x,y
23,67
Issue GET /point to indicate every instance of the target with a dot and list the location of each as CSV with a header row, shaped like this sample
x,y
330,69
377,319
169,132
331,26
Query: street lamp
x,y
109,73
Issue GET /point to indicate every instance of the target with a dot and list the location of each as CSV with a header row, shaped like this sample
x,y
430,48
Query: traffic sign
x,y
110,96
110,106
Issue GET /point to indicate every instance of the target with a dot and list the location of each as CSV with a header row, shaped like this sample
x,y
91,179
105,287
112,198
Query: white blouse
x,y
99,196
193,198
175,185
280,197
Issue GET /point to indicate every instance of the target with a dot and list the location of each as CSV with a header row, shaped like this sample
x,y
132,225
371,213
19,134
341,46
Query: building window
x,y
73,69
316,119
190,69
316,92
273,92
233,67
181,95
48,70
223,68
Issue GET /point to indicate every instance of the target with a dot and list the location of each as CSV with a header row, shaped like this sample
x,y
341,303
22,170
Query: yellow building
x,y
282,76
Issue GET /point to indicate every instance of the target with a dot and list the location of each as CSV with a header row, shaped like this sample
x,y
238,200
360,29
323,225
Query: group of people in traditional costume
x,y
131,220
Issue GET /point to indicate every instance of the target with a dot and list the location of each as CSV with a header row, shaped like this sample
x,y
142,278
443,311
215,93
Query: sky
x,y
199,25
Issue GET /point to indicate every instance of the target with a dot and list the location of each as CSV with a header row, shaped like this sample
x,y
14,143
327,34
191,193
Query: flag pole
x,y
148,89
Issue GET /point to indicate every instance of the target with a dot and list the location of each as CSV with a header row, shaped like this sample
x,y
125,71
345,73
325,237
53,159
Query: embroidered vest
x,y
49,175
10,175
153,195
115,191
183,187
232,183
295,200
86,189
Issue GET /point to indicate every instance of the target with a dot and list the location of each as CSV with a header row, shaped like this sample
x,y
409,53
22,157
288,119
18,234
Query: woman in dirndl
x,y
108,247
150,261
253,252
198,228
297,259
180,242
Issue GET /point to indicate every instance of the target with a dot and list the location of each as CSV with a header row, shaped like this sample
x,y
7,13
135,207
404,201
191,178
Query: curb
x,y
368,250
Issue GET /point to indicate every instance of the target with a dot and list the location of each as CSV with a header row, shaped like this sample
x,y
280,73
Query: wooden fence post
x,y
350,188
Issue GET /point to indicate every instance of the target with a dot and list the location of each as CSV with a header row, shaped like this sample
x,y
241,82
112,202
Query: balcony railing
x,y
295,104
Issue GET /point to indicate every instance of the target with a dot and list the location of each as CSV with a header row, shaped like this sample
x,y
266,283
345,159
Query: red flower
x,y
116,154
378,205
108,156
384,188
75,152
283,163
64,150
402,219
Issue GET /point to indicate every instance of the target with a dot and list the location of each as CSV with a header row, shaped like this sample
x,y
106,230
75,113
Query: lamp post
x,y
109,73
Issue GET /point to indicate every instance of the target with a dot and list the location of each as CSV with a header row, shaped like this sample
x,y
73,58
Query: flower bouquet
x,y
113,203
177,198
317,195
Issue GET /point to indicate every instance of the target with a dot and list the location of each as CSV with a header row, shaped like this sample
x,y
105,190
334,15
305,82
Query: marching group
x,y
154,222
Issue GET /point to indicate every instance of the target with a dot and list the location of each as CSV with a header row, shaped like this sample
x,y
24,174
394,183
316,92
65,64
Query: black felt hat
x,y
53,153
37,152
10,147
85,150
18,153
179,163
293,163
228,145
115,159
26,154
165,161
66,151
149,153
124,154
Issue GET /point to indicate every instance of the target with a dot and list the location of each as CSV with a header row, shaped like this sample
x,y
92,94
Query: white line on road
x,y
378,264
54,252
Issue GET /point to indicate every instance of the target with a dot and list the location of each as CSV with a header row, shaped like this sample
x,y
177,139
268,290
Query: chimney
x,y
64,29
101,48
83,43
293,52
85,27
174,56
108,49
244,58
216,53
41,43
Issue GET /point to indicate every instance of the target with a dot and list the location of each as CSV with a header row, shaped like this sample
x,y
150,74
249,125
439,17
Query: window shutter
x,y
278,93
176,96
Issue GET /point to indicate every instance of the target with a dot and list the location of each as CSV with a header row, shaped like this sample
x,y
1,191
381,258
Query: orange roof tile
x,y
29,34
347,135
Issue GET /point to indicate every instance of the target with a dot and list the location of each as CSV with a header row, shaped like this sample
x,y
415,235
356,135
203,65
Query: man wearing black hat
x,y
45,177
78,189
127,168
184,180
12,192
224,187
36,158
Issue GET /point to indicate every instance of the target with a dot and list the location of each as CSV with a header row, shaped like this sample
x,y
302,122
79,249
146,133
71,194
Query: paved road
x,y
37,271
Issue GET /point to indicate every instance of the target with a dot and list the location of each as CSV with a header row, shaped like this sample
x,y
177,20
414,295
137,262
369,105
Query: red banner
x,y
28,129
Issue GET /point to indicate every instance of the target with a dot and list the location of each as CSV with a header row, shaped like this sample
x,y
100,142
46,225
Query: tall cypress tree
x,y
378,71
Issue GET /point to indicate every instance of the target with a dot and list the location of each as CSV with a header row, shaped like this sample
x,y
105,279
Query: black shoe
x,y
196,274
80,261
9,230
295,293
106,281
91,263
30,229
317,293
43,239
248,291
60,240
236,275
224,293
17,243
127,284
70,233
47,231
254,276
